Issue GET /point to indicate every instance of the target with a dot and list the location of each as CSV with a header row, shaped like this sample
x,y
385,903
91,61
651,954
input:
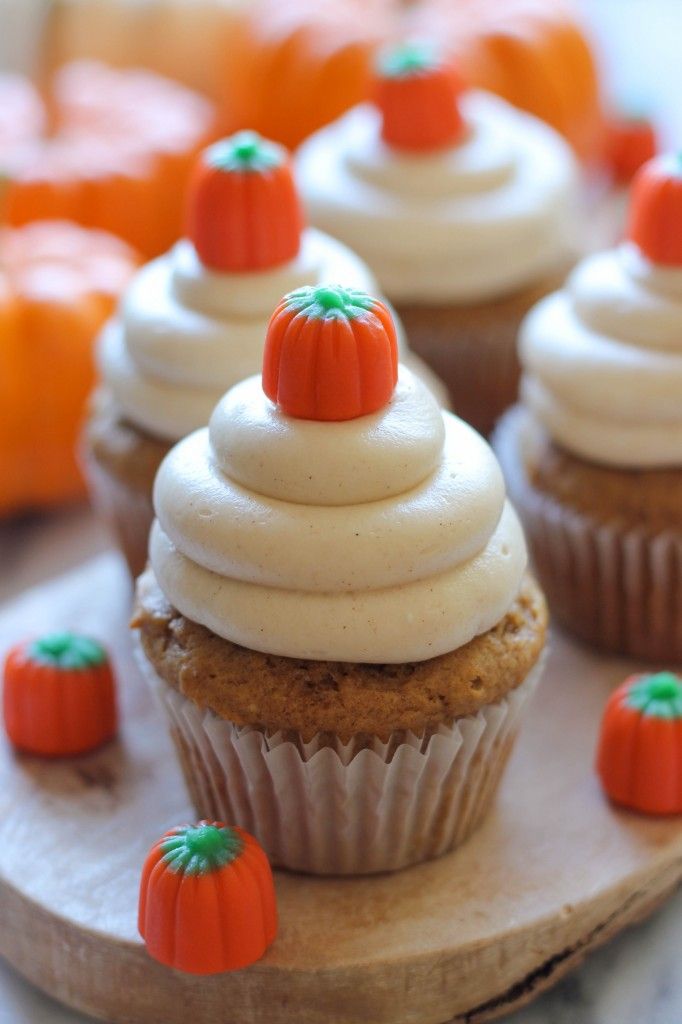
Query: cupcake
x,y
193,321
593,455
337,617
460,204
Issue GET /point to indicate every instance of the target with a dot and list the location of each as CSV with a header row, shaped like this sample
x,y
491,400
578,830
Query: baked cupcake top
x,y
603,356
192,322
332,511
451,195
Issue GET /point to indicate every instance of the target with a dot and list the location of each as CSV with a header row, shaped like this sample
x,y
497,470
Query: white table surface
x,y
636,979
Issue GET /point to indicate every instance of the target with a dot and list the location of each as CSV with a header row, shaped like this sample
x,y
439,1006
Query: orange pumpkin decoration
x,y
639,758
632,140
113,150
330,354
417,96
207,900
58,284
58,696
306,62
655,221
243,210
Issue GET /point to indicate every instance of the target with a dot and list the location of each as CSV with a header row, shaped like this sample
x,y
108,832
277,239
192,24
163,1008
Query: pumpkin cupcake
x,y
593,456
463,208
337,616
192,322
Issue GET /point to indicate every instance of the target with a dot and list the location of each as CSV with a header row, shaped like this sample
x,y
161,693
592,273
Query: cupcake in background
x,y
593,456
192,322
461,205
337,616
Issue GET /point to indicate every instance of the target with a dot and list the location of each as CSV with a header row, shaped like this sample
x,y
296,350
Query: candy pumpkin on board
x,y
58,284
108,149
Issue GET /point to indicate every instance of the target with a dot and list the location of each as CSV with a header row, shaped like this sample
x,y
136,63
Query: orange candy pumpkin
x,y
655,222
417,96
58,285
331,353
243,211
58,696
639,758
110,149
631,142
207,900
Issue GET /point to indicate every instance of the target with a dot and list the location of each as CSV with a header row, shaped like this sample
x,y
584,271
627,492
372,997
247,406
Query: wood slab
x,y
553,873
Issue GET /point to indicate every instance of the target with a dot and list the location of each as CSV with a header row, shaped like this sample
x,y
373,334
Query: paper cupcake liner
x,y
616,588
128,512
327,807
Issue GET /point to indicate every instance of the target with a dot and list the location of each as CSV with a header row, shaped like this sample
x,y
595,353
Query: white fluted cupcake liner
x,y
327,807
129,513
616,588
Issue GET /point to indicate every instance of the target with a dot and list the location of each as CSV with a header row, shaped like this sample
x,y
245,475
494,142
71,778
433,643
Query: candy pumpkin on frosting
x,y
331,353
417,96
58,285
639,758
207,901
655,223
58,695
243,211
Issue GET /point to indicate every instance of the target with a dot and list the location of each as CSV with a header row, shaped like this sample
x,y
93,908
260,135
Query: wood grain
x,y
553,872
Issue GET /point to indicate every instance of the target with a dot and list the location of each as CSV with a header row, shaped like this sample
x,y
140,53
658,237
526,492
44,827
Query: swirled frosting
x,y
386,538
185,334
603,361
480,219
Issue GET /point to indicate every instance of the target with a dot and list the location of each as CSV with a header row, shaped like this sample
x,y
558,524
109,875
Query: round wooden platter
x,y
553,872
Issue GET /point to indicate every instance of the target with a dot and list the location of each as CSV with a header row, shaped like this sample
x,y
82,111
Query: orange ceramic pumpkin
x,y
330,354
112,150
308,62
655,223
207,901
639,758
58,696
58,284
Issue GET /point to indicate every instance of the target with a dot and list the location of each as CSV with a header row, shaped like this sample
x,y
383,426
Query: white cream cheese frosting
x,y
602,361
185,334
481,219
386,538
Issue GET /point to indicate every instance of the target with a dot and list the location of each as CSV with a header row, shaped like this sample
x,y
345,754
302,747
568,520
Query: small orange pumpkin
x,y
655,220
58,696
631,141
417,96
243,211
330,354
58,285
112,150
207,900
639,757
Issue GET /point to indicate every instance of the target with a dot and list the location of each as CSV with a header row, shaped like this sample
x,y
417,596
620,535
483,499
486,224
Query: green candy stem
x,y
200,849
658,695
407,59
329,301
244,152
68,651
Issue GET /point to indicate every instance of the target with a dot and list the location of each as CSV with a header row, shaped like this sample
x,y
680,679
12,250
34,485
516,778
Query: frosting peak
x,y
603,361
383,538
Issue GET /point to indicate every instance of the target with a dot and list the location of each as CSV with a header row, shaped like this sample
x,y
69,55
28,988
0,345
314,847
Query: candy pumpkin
x,y
58,285
631,141
207,900
113,150
655,221
243,211
330,354
58,695
639,757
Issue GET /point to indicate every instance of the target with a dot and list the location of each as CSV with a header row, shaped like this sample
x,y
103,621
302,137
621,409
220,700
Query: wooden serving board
x,y
554,871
